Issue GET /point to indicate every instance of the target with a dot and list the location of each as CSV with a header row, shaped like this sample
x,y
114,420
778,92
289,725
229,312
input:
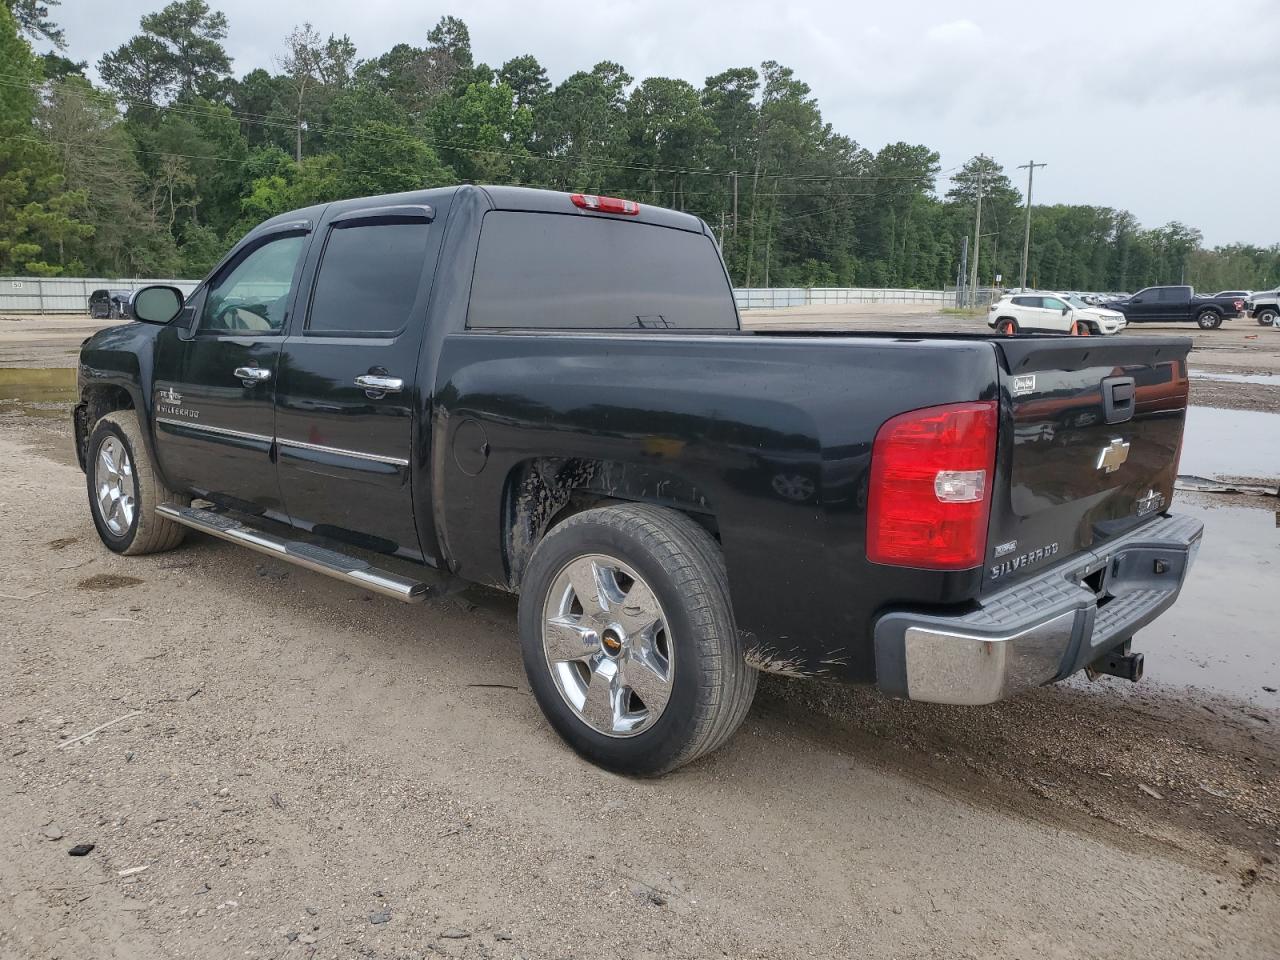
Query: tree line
x,y
158,168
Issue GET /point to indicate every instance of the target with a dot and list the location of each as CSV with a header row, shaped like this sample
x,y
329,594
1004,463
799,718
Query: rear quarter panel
x,y
773,435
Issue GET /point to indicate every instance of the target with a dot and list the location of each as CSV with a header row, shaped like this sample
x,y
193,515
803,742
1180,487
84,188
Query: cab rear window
x,y
583,272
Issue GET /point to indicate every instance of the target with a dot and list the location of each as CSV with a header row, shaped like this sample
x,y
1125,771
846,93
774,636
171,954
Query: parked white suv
x,y
1032,312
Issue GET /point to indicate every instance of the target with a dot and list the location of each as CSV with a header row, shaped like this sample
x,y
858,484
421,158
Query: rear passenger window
x,y
582,272
1027,301
369,277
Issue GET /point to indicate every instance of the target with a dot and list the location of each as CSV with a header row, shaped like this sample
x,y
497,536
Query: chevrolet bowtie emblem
x,y
1113,455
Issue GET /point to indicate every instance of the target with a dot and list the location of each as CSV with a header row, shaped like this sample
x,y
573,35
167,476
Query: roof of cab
x,y
498,198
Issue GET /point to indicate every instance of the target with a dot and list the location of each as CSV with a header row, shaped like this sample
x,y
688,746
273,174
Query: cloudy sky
x,y
1169,108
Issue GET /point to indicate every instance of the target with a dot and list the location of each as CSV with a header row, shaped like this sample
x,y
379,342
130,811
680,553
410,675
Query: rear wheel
x,y
628,639
1007,326
1209,319
1266,316
124,490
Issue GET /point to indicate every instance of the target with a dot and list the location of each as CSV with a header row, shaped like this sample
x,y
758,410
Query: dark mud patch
x,y
107,581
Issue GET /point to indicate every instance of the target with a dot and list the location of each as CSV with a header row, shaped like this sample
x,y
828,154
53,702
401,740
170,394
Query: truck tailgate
x,y
1091,432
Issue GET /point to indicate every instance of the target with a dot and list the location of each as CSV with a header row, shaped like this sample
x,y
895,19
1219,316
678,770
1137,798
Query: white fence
x,y
65,294
773,298
71,294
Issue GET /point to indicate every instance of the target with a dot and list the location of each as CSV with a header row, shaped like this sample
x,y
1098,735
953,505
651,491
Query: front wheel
x,y
1007,326
1267,316
124,490
628,639
1209,320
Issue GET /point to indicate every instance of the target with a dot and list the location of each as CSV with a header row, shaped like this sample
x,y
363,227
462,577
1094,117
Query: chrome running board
x,y
331,563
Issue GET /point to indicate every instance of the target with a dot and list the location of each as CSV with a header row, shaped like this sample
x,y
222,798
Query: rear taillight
x,y
589,201
930,493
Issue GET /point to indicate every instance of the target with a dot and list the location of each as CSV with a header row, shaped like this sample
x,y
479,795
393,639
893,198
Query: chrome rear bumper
x,y
1038,630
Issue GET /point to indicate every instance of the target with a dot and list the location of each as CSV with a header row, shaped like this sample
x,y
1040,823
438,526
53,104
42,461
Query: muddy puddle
x,y
1265,379
37,392
1222,634
1231,443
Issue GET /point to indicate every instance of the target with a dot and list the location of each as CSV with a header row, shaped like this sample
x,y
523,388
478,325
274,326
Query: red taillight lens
x,y
589,201
930,493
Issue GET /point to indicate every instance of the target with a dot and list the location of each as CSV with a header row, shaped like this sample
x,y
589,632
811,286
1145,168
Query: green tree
x,y
179,54
526,78
95,159
39,230
32,17
481,133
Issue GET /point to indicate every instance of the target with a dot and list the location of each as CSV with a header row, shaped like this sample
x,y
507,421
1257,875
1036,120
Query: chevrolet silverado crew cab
x,y
551,394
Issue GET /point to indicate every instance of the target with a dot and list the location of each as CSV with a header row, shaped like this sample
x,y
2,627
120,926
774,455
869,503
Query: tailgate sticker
x,y
1024,384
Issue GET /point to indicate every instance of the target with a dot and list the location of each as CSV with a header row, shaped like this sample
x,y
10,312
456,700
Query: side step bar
x,y
340,566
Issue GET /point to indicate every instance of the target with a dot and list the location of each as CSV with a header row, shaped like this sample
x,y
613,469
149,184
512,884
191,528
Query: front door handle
x,y
376,386
252,376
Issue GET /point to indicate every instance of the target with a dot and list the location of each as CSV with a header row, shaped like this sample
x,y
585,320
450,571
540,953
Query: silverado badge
x,y
1113,455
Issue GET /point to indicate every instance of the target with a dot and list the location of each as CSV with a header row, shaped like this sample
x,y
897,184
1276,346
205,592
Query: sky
x,y
1167,108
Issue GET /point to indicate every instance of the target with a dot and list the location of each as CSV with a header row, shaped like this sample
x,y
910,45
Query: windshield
x,y
1075,301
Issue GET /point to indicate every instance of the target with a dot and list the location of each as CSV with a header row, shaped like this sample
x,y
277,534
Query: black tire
x,y
1007,326
1209,319
711,687
146,531
1266,316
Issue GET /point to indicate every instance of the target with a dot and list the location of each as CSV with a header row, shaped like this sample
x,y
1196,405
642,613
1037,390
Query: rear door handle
x,y
252,376
376,386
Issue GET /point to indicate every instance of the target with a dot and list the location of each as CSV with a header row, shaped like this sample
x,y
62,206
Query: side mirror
x,y
1065,311
158,304
1135,299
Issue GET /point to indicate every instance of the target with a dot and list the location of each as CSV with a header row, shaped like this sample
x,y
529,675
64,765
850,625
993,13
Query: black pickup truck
x,y
1178,304
552,394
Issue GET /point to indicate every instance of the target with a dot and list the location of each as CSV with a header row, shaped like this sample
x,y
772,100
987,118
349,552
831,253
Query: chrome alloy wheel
x,y
608,646
113,481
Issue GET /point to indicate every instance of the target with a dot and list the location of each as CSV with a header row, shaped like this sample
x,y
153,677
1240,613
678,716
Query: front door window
x,y
253,296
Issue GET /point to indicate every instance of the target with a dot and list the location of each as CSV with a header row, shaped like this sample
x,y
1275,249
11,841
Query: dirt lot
x,y
305,771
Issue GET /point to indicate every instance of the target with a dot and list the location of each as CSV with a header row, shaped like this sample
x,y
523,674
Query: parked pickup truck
x,y
1176,304
551,394
1264,307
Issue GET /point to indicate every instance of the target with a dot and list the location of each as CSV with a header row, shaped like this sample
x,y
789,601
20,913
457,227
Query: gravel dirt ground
x,y
304,770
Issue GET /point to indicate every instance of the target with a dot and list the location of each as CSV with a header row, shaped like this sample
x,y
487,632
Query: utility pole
x,y
735,202
962,295
1030,167
977,233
